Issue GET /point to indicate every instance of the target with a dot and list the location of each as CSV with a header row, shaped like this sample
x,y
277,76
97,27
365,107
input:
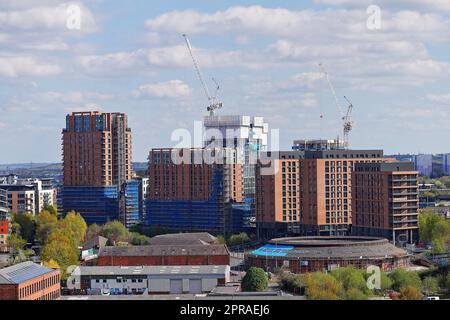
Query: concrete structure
x,y
310,254
318,145
97,165
196,190
29,281
152,279
308,192
386,201
248,135
424,164
173,249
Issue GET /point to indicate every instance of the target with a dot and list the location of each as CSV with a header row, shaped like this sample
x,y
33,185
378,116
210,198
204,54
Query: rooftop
x,y
164,250
199,238
149,270
22,272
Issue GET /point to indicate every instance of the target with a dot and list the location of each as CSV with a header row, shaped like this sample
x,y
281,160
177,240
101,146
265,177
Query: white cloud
x,y
16,66
169,89
439,98
46,18
305,24
409,4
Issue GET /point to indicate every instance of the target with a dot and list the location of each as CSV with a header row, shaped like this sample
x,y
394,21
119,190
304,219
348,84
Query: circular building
x,y
309,254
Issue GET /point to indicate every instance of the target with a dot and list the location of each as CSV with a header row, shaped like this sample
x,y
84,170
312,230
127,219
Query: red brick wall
x,y
163,260
8,292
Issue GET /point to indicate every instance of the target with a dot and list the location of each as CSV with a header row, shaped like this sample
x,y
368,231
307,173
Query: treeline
x,y
352,284
435,229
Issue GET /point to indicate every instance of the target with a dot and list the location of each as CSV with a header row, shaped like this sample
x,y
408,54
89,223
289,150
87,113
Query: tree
x,y
75,227
430,285
52,264
350,278
435,229
321,286
385,283
237,239
46,222
139,239
255,280
447,282
292,282
16,243
410,293
53,209
27,225
94,230
60,248
115,231
403,279
355,294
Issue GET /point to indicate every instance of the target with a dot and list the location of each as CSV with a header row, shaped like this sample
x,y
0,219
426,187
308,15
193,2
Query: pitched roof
x,y
164,250
22,272
199,238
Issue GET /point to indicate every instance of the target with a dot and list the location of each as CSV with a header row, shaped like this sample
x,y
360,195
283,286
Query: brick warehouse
x,y
168,250
29,281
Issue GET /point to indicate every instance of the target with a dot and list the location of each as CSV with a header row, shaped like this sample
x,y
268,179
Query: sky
x,y
129,56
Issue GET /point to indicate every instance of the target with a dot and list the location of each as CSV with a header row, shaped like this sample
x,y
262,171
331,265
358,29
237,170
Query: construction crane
x,y
213,101
347,122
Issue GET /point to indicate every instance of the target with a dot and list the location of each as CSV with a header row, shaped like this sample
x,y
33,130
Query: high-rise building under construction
x,y
97,165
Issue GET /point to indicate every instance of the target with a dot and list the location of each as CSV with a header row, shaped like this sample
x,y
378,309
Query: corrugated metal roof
x,y
22,272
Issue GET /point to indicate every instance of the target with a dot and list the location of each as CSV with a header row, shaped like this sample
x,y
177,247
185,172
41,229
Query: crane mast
x,y
347,122
212,100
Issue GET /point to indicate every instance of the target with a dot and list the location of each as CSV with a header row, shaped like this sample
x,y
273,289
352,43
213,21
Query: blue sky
x,y
129,56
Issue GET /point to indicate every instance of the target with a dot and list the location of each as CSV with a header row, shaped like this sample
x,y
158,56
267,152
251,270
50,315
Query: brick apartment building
x,y
386,200
196,193
97,167
308,192
168,250
29,281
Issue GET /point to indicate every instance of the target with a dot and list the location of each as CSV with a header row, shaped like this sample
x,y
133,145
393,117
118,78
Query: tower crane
x,y
213,101
347,122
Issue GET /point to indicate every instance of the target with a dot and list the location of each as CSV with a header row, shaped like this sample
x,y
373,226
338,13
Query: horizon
x,y
396,74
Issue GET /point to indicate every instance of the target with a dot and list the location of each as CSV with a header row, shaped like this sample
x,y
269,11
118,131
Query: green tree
x,y
350,278
46,222
404,279
74,226
321,286
27,225
435,229
292,282
60,247
52,264
447,282
410,293
15,242
53,209
255,280
115,231
355,294
139,239
430,285
385,283
237,239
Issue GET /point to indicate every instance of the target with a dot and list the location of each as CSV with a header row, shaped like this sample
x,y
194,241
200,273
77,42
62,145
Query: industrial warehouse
x,y
310,254
150,279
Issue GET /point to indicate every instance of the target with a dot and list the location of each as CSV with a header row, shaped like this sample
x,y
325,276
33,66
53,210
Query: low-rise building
x,y
169,250
29,281
150,279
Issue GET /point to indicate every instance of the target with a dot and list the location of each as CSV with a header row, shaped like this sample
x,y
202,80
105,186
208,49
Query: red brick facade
x,y
164,260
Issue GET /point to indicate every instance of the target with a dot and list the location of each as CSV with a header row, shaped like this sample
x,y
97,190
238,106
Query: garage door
x,y
176,286
195,285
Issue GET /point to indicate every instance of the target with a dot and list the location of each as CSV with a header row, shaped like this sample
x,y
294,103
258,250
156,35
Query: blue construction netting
x,y
95,204
271,250
132,202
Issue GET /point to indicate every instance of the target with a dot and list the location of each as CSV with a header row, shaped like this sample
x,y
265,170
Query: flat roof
x,y
22,272
150,270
